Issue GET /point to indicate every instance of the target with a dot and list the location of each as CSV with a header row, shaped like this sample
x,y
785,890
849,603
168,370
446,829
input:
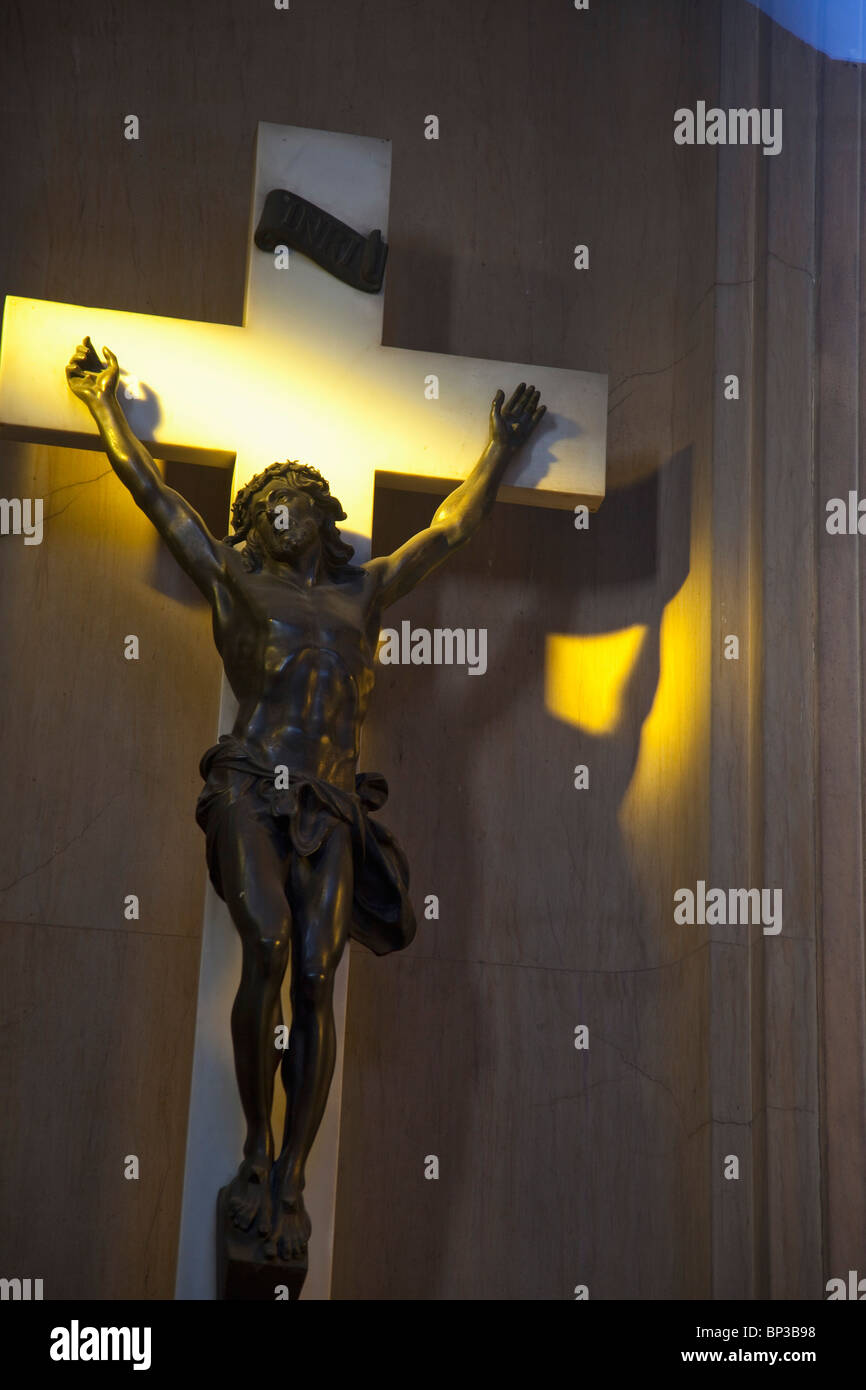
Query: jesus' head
x,y
279,512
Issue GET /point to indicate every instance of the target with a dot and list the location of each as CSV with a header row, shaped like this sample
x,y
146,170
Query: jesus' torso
x,y
300,660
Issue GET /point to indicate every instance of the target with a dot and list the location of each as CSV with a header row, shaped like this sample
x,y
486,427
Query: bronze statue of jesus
x,y
291,846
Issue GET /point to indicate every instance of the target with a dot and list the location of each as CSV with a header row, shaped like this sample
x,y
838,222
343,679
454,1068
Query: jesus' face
x,y
286,521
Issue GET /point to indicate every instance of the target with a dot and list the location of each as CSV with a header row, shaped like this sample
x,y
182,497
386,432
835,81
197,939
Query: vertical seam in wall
x,y
713,587
858,591
757,1002
821,67
857,443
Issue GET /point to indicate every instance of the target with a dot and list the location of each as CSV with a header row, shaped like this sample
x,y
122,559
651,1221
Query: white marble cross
x,y
306,377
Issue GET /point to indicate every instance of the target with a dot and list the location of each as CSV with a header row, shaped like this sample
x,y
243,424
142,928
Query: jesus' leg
x,y
252,866
321,890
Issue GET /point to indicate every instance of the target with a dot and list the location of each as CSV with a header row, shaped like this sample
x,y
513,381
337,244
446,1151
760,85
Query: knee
x,y
272,952
316,982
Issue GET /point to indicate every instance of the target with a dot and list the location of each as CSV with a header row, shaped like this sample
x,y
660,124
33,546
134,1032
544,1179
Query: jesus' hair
x,y
336,552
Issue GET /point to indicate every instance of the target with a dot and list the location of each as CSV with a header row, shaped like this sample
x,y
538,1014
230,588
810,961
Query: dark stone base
x,y
243,1271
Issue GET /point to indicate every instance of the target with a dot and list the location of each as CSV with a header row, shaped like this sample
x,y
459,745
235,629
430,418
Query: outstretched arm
x,y
179,524
466,507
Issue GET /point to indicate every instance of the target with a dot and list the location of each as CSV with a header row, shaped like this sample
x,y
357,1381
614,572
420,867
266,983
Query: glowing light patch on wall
x,y
667,800
584,677
668,735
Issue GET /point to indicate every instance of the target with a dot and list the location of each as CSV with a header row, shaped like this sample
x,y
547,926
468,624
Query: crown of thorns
x,y
307,479
300,475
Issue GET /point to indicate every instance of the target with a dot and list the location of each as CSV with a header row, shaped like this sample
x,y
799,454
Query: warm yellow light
x,y
664,815
305,378
585,676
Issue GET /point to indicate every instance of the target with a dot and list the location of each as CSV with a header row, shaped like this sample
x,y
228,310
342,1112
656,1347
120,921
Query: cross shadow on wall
x,y
530,872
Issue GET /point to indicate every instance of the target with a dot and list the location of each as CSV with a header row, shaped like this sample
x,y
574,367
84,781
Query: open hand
x,y
513,422
92,380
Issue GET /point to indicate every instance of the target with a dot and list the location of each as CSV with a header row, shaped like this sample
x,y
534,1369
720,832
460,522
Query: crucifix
x,y
308,366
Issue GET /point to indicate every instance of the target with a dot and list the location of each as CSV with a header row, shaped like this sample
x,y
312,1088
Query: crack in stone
x,y
645,1074
773,255
87,926
716,285
572,970
655,371
688,1134
81,483
5,887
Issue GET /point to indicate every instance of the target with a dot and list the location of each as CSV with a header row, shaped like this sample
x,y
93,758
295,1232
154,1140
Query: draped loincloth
x,y
306,811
